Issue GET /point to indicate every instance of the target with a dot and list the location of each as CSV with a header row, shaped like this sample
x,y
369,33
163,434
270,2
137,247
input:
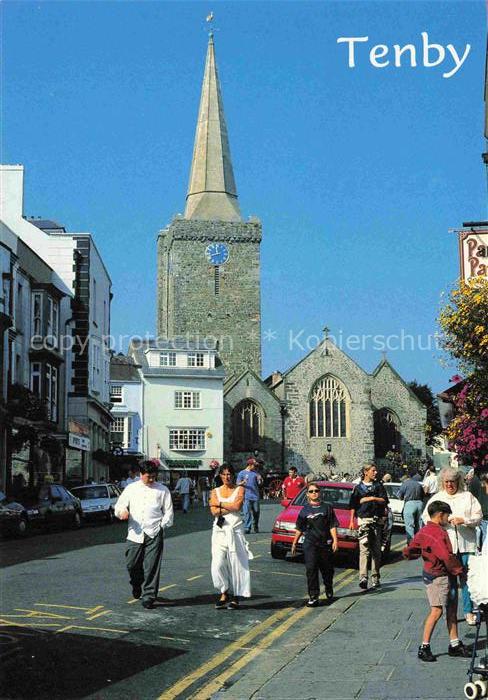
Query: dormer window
x,y
167,359
115,394
195,359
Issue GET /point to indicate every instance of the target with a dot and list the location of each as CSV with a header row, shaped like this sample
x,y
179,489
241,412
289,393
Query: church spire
x,y
212,192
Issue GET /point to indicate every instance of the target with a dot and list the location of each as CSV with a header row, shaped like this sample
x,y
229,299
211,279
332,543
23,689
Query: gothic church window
x,y
386,432
247,426
328,408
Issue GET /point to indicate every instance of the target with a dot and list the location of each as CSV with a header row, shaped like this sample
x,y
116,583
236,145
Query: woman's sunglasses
x,y
314,491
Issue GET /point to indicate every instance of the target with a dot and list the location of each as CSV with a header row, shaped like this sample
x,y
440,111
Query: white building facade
x,y
182,393
126,432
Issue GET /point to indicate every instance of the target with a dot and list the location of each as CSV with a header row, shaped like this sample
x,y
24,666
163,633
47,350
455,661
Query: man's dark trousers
x,y
318,559
143,563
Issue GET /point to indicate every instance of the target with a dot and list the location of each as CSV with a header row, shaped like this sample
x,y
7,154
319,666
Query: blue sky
x,y
357,174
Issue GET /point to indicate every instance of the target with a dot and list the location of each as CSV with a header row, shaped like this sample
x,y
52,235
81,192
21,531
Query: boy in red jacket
x,y
441,567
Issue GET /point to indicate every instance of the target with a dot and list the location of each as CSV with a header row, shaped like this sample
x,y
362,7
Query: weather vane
x,y
210,19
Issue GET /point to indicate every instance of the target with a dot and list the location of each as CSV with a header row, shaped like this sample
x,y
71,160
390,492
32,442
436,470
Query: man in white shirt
x,y
148,507
184,487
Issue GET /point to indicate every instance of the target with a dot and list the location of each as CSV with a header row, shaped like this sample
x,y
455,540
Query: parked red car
x,y
333,492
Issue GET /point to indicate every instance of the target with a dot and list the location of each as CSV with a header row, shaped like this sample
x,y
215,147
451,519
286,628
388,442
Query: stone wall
x,y
349,452
388,390
187,300
250,386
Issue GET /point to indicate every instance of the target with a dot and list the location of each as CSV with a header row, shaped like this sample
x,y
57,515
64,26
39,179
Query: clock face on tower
x,y
217,253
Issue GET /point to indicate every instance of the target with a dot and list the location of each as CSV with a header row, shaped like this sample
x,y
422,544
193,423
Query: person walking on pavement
x,y
318,525
466,516
249,479
441,567
184,487
146,505
430,483
134,475
411,492
230,551
477,486
368,503
293,484
204,489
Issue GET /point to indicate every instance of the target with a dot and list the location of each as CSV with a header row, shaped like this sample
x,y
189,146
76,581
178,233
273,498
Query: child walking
x,y
318,523
441,567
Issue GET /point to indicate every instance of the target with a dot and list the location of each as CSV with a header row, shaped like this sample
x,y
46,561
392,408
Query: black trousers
x,y
318,559
143,563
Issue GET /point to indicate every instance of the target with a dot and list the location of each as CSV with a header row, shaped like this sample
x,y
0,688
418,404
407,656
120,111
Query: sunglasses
x,y
450,481
314,491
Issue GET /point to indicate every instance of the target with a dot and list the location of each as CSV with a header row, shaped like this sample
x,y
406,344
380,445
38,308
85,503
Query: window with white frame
x,y
37,313
187,439
129,432
52,326
115,394
35,378
117,431
195,359
187,399
167,359
51,392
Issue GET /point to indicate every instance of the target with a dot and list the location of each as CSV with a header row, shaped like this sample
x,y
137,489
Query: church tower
x,y
209,259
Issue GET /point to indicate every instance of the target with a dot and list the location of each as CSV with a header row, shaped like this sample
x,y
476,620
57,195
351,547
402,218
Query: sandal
x,y
234,603
222,601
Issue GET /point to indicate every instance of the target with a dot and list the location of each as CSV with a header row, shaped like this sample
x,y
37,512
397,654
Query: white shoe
x,y
470,618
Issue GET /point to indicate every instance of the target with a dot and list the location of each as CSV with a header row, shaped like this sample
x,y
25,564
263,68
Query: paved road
x,y
71,629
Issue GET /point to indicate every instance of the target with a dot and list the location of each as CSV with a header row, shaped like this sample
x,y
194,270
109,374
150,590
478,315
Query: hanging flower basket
x,y
328,460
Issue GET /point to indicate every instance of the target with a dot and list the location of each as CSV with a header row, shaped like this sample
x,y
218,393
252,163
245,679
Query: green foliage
x,y
433,426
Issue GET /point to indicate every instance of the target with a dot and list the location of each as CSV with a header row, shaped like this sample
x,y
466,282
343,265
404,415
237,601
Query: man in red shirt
x,y
441,567
293,484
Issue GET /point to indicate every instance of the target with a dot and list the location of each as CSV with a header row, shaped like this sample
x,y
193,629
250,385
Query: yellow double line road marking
x,y
292,614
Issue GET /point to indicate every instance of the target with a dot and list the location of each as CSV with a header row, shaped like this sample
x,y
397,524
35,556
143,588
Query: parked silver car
x,y
97,500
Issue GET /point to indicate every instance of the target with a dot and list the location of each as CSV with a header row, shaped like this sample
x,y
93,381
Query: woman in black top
x,y
318,523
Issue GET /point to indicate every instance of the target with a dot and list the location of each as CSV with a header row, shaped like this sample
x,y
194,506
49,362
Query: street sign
x,y
79,442
473,253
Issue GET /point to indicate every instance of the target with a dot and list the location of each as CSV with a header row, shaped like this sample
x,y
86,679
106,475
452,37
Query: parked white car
x,y
97,500
396,504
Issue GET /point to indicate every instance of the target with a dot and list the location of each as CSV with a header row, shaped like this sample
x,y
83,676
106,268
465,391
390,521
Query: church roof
x,y
212,192
236,380
384,363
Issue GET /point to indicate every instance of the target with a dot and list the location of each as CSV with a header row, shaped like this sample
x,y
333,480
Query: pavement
x,y
364,646
71,629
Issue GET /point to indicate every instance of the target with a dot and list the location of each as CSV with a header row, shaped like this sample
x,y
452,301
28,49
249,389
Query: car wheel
x,y
77,522
110,515
277,552
21,528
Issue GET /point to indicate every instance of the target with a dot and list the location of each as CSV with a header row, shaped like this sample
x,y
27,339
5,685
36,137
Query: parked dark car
x,y
49,505
13,520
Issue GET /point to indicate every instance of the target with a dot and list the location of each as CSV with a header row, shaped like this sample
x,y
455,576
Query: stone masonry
x,y
189,302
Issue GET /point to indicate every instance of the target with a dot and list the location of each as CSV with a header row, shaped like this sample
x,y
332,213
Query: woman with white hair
x,y
466,515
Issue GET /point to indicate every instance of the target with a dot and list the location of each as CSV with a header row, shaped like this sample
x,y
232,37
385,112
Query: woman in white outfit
x,y
230,552
466,516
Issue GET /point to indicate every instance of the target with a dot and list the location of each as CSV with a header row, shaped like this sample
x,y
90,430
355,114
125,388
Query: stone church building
x,y
209,288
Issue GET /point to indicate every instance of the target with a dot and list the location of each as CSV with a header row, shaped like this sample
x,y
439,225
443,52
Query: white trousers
x,y
230,561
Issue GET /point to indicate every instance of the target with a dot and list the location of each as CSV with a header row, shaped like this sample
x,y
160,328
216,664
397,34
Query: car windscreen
x,y
392,490
337,497
88,493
